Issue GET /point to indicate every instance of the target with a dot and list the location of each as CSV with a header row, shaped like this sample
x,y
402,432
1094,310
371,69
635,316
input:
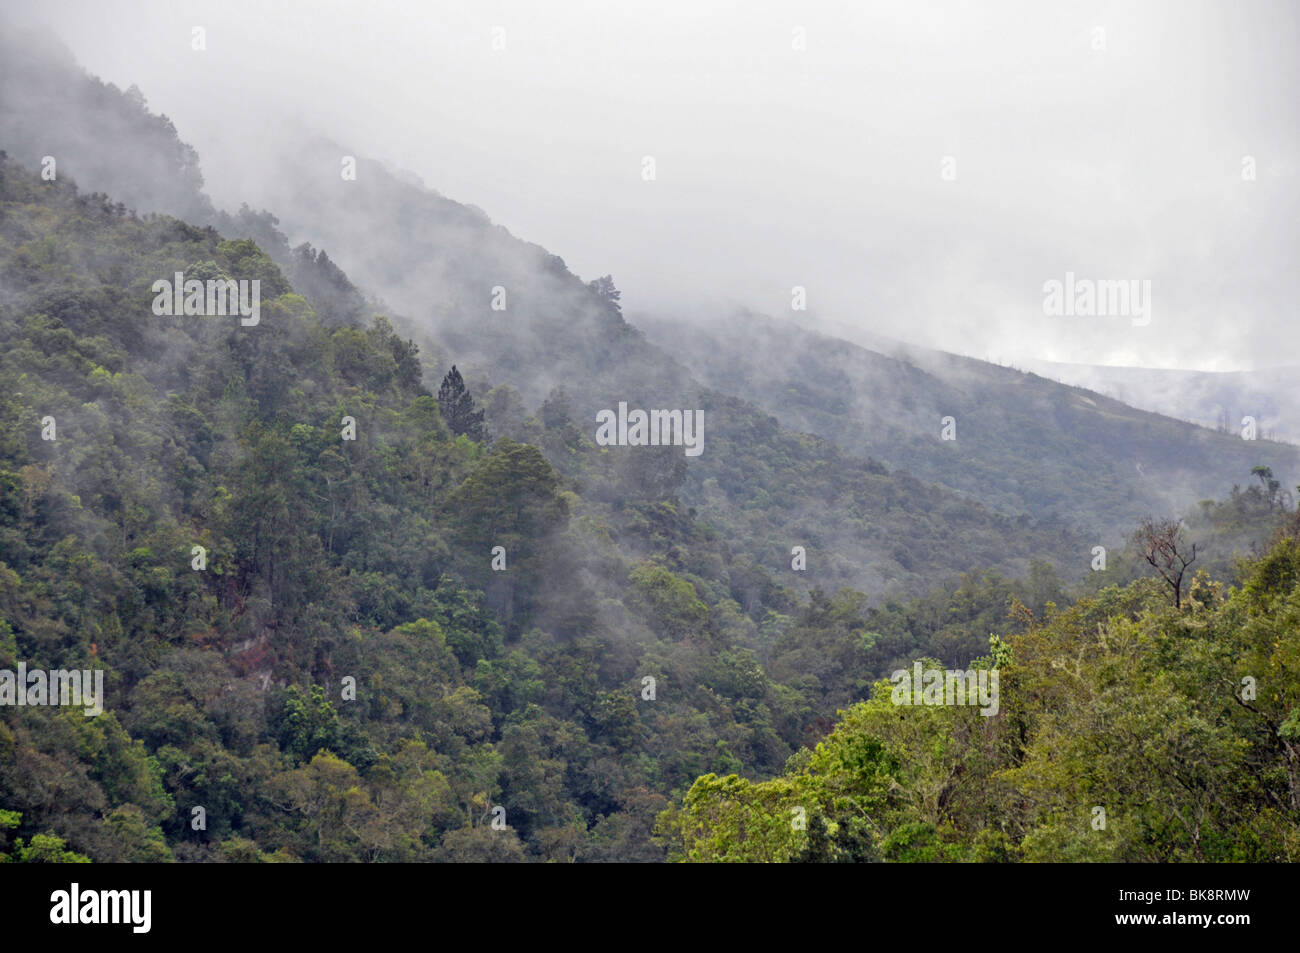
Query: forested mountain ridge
x,y
323,558
346,668
435,267
50,107
1024,444
130,438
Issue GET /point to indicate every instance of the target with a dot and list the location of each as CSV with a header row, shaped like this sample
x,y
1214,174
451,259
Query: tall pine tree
x,y
457,408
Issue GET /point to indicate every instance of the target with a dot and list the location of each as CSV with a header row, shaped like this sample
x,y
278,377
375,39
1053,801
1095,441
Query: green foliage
x,y
45,849
300,725
350,677
671,603
458,407
1127,731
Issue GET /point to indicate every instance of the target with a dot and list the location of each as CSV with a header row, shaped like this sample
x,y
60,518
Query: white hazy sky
x,y
818,167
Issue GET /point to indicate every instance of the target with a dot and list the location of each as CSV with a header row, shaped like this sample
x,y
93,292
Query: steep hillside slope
x,y
1024,444
508,311
280,609
1215,399
340,625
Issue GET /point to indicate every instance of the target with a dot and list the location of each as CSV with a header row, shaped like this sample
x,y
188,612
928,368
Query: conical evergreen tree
x,y
457,408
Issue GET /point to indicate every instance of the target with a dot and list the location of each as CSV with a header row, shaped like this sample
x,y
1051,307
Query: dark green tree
x,y
457,408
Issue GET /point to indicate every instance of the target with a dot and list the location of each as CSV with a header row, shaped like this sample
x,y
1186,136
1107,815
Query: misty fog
x,y
920,172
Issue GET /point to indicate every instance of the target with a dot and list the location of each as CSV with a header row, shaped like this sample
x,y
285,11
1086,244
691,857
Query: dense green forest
x,y
370,560
363,586
1129,731
430,264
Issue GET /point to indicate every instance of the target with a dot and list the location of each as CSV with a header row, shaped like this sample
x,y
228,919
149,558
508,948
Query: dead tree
x,y
1161,543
